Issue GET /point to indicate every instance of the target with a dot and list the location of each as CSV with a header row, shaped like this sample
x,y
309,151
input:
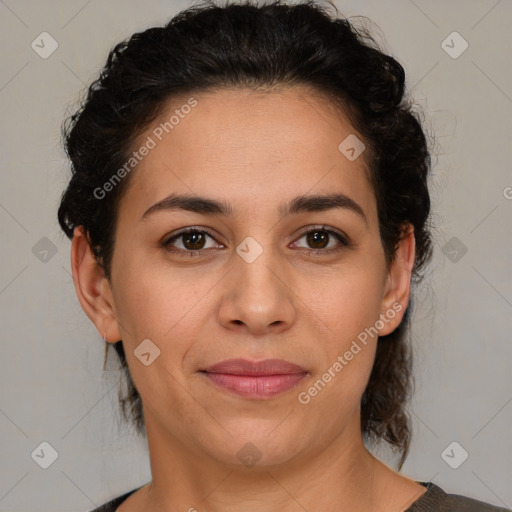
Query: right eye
x,y
192,241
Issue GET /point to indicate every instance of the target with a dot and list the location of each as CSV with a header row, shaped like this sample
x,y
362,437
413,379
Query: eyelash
x,y
342,239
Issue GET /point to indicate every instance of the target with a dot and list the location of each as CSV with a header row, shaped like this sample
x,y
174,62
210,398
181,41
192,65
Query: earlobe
x,y
398,282
93,288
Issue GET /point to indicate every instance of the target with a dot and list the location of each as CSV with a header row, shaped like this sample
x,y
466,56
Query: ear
x,y
398,283
93,288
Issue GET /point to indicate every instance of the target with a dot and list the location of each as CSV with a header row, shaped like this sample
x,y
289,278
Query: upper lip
x,y
246,367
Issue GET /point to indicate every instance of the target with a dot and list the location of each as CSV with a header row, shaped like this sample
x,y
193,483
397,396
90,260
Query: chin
x,y
257,449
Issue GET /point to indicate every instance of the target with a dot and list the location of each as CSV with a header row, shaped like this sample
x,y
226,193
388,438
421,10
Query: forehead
x,y
250,145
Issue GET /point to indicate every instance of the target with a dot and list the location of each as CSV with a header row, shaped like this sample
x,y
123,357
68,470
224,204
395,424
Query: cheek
x,y
168,307
155,300
344,302
349,309
165,308
346,309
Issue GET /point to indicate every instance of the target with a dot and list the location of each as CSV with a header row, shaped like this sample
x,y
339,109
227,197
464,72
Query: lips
x,y
255,379
245,367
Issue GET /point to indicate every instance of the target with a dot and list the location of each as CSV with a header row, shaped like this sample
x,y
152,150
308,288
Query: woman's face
x,y
252,284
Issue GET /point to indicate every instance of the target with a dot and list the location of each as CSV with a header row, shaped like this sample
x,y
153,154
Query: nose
x,y
257,297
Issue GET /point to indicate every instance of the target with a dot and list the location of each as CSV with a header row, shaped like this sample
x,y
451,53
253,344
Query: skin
x,y
254,150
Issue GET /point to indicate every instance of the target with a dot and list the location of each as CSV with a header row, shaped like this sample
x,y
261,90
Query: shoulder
x,y
458,503
437,500
112,505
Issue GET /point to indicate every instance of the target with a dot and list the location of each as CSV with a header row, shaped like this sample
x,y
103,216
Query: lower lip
x,y
250,386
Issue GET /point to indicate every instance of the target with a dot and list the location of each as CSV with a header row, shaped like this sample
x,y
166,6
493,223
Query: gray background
x,y
53,386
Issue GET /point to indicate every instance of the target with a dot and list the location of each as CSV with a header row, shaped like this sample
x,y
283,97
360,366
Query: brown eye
x,y
189,242
319,239
193,241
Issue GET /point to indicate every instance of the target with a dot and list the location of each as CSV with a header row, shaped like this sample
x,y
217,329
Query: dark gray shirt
x,y
434,500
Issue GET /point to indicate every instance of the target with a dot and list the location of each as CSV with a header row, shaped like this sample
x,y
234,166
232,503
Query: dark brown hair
x,y
209,47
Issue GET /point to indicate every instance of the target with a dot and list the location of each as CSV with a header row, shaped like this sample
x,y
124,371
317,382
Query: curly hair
x,y
245,45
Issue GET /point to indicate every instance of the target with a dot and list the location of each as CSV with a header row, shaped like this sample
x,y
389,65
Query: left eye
x,y
319,238
193,241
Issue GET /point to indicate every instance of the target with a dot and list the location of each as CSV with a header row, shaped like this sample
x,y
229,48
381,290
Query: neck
x,y
341,475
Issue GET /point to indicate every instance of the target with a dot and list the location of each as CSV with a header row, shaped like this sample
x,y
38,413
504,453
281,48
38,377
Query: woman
x,y
248,209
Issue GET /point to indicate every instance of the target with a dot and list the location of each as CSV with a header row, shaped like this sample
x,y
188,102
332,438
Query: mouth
x,y
255,379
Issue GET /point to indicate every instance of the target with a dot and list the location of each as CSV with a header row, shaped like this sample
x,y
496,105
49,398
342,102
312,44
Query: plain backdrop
x,y
53,388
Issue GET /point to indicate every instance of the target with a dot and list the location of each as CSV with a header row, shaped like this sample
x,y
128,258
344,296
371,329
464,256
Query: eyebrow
x,y
299,204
